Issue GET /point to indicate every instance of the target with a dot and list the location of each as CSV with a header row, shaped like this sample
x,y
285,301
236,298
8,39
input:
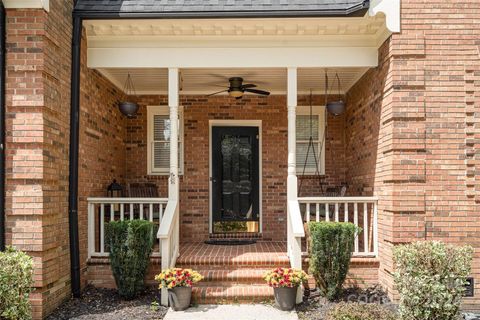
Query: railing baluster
x,y
355,221
102,228
345,218
141,211
131,211
122,211
91,229
366,246
336,212
160,216
308,212
327,214
150,212
317,212
112,212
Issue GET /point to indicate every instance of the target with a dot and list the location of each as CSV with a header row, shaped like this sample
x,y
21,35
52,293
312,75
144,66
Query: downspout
x,y
73,163
2,124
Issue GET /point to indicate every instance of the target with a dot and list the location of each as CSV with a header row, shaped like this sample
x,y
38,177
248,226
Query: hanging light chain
x,y
129,88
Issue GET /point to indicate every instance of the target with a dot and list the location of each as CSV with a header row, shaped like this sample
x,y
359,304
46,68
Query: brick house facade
x,y
409,136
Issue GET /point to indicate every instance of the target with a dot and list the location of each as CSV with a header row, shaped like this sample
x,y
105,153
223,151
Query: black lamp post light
x,y
128,108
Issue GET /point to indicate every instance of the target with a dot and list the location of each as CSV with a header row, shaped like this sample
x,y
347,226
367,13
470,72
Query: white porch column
x,y
173,101
292,133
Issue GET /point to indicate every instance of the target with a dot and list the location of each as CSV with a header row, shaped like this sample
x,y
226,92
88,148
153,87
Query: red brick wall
x,y
102,144
194,184
417,146
37,109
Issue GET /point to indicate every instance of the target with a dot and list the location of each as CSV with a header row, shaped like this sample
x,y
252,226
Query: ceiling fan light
x,y
236,93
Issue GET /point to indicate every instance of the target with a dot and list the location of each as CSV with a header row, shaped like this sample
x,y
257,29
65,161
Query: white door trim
x,y
235,123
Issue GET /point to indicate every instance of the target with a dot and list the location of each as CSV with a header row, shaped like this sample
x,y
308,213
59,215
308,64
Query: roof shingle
x,y
222,7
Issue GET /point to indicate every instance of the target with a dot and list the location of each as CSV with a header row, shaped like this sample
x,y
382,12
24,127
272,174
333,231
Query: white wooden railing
x,y
169,235
104,210
361,211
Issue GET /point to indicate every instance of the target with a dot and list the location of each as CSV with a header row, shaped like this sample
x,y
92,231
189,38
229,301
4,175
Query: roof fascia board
x,y
27,4
391,10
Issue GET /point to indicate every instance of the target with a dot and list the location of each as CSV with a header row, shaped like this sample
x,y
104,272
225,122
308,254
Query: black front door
x,y
235,190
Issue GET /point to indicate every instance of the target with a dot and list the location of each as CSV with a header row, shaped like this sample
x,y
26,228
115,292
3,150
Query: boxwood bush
x,y
330,249
16,270
130,244
430,278
360,311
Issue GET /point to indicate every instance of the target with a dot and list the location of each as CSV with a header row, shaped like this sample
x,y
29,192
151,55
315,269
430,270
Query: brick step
x,y
260,261
232,294
232,277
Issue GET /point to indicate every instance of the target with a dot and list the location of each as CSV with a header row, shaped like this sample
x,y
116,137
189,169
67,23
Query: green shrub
x,y
130,244
16,270
359,311
430,278
331,247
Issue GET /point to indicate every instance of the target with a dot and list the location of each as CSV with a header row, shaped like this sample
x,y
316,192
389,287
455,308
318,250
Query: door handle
x,y
213,179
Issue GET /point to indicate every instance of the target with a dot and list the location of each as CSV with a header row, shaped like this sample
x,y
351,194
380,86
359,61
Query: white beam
x,y
27,4
173,98
301,57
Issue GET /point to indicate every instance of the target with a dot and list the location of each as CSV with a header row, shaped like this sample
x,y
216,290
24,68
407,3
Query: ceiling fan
x,y
237,89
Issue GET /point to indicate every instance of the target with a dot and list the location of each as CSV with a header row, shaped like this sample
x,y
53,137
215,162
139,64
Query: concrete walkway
x,y
228,312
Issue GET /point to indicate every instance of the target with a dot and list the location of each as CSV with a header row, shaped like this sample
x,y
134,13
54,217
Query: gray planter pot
x,y
285,298
128,109
179,298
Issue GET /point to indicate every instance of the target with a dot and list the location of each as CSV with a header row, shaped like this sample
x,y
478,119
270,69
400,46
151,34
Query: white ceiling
x,y
205,81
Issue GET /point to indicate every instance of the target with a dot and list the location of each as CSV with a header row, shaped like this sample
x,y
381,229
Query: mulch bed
x,y
106,304
315,307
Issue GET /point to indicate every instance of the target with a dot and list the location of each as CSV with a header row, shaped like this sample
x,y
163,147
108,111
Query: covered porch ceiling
x,y
153,81
209,51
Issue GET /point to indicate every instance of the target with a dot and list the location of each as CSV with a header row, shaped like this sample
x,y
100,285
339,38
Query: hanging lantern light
x,y
127,108
336,107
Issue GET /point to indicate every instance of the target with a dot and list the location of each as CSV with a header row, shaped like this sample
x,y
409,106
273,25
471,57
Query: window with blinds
x,y
159,140
313,126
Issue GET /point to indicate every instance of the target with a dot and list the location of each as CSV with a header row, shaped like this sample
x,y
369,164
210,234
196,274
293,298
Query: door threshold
x,y
231,242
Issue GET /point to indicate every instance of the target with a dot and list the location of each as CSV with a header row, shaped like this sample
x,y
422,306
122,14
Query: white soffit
x,y
27,4
204,81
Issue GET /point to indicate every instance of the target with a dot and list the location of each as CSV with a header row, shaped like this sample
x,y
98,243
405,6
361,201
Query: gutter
x,y
355,11
73,158
2,124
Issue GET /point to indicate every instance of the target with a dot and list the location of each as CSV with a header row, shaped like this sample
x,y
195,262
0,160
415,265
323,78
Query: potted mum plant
x,y
285,283
179,283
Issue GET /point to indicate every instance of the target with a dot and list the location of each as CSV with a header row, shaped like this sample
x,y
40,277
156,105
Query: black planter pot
x,y
179,298
285,298
336,107
128,109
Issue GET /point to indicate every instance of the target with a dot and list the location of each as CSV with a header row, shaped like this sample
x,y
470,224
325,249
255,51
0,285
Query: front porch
x,y
239,157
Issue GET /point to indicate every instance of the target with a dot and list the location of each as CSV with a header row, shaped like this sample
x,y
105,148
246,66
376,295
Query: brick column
x,y
37,96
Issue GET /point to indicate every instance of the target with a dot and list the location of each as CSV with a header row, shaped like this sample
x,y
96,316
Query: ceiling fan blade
x,y
212,94
256,91
249,85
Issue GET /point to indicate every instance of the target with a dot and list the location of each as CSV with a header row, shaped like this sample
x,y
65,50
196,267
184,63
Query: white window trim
x,y
163,110
320,112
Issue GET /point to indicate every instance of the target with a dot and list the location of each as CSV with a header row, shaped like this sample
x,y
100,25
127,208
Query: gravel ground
x,y
106,304
315,307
